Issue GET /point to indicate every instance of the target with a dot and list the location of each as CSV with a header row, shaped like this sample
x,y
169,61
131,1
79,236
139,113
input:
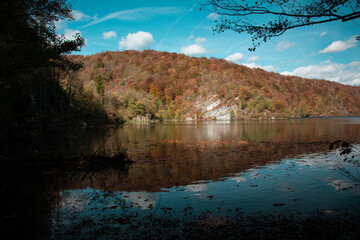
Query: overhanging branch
x,y
289,14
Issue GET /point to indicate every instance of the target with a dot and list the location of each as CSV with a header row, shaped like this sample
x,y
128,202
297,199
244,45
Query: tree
x,y
30,54
28,39
265,19
100,88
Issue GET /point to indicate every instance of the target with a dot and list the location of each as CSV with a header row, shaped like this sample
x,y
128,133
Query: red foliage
x,y
176,78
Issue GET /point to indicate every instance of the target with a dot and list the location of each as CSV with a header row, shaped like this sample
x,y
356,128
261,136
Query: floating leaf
x,y
278,204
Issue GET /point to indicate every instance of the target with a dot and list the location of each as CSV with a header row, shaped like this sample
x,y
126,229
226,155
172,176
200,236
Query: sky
x,y
325,51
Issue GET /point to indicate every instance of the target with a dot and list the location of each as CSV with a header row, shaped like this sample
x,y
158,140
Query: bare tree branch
x,y
264,19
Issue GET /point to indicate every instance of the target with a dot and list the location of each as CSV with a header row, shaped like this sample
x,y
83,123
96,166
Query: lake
x,y
204,171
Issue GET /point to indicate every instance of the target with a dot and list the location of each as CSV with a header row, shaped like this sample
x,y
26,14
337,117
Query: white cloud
x,y
282,46
213,16
323,34
328,70
194,49
110,34
137,14
138,41
69,34
354,64
200,40
253,59
236,57
80,16
339,46
269,68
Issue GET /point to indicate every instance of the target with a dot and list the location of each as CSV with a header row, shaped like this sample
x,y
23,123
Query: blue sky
x,y
326,51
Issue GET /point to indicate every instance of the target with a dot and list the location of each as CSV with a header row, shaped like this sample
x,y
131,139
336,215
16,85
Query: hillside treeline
x,y
152,85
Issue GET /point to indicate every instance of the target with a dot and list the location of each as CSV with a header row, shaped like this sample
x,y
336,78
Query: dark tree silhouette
x,y
264,19
30,53
27,37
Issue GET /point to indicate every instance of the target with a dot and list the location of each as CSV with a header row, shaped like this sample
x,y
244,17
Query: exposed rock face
x,y
213,109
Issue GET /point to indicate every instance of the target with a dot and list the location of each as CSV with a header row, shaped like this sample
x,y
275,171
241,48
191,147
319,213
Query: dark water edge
x,y
206,227
33,216
32,221
183,173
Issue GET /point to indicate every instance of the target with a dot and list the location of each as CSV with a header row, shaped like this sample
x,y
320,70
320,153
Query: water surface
x,y
184,170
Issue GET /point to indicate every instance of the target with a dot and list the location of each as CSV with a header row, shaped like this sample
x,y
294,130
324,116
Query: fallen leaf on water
x,y
278,204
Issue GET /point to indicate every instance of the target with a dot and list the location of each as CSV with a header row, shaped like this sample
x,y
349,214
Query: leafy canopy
x,y
27,35
264,19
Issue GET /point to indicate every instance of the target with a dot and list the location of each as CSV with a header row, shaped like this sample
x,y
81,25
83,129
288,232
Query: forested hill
x,y
161,85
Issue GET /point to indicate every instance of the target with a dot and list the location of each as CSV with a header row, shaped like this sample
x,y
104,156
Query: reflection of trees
x,y
167,164
62,144
166,156
27,198
177,154
30,194
295,130
350,166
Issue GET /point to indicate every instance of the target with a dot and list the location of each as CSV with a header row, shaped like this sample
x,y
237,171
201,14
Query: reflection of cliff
x,y
174,164
294,130
166,164
166,155
180,153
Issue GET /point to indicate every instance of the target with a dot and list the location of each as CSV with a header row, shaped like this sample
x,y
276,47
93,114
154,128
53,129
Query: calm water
x,y
184,170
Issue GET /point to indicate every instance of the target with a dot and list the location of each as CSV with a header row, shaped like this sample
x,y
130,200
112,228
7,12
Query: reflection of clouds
x,y
73,200
329,159
254,174
341,184
143,200
239,179
196,188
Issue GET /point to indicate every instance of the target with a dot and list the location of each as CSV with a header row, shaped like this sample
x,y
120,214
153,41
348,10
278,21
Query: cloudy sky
x,y
326,51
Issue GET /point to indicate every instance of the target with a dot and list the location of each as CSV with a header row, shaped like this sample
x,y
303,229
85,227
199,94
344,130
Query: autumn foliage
x,y
149,84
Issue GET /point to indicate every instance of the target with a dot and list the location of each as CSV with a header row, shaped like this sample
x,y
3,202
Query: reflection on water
x,y
296,186
180,153
188,169
296,130
300,184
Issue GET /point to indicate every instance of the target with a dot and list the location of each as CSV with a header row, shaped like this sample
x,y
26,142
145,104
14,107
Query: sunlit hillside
x,y
151,85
